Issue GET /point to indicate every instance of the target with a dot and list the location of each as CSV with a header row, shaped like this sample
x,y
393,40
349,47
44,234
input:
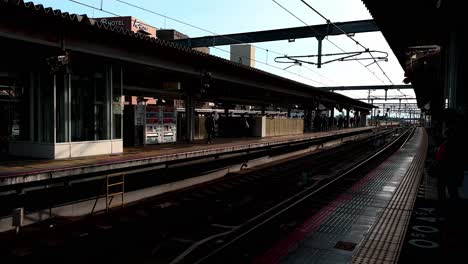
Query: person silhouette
x,y
209,127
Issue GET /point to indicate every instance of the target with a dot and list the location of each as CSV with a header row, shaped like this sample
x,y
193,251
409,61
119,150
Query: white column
x,y
69,121
110,102
121,102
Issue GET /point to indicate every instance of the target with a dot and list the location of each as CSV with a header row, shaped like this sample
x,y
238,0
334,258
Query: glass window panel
x,y
117,102
15,89
61,108
82,108
89,104
44,107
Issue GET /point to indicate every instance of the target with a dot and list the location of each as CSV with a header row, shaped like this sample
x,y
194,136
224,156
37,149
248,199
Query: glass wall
x,y
20,125
43,103
15,106
27,107
43,107
62,107
90,105
117,102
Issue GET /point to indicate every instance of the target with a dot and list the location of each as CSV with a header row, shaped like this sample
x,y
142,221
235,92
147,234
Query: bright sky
x,y
225,16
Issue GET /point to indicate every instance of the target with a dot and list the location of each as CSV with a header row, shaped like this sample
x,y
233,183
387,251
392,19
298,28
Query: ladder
x,y
114,185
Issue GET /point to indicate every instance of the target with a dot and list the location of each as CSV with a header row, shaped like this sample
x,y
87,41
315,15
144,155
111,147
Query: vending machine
x,y
169,124
161,124
153,129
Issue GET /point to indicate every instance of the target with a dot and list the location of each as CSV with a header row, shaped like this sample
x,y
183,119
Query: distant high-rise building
x,y
244,54
171,34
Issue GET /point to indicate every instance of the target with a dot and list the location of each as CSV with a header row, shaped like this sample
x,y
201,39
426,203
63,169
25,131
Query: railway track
x,y
201,224
243,245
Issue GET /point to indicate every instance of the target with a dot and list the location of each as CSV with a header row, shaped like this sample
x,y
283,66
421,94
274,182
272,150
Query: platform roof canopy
x,y
150,63
416,30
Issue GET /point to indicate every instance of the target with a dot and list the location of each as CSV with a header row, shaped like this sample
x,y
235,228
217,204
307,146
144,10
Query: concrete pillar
x,y
260,126
457,77
453,65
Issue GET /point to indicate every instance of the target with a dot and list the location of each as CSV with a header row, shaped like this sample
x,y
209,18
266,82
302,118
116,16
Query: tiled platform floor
x,y
335,233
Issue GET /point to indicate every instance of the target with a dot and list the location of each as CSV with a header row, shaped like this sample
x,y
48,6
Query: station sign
x,y
129,23
173,86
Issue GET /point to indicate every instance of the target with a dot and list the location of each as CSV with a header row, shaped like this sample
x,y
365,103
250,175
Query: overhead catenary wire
x,y
93,7
208,31
318,33
217,35
350,37
276,67
211,32
100,9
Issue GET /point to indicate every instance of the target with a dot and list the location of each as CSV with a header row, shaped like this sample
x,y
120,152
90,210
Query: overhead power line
x,y
213,33
188,24
318,33
278,68
350,37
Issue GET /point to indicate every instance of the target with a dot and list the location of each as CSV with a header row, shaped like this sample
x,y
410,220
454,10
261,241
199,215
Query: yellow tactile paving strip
x,y
384,240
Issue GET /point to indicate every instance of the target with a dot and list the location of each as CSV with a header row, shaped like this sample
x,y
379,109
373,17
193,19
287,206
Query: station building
x,y
63,78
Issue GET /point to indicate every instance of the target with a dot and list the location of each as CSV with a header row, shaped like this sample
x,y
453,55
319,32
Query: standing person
x,y
215,124
209,127
449,158
447,173
244,124
251,123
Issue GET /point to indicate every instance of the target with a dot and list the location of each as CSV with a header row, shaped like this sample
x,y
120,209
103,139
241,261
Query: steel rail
x,y
251,229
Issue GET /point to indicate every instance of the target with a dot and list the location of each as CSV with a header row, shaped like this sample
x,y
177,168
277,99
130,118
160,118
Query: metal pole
x,y
55,110
332,115
347,118
319,54
190,117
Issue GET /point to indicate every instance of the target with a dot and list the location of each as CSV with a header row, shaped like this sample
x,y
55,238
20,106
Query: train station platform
x,y
367,222
437,230
17,171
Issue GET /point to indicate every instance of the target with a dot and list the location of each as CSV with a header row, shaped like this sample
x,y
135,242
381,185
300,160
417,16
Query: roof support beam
x,y
383,99
365,87
322,30
79,37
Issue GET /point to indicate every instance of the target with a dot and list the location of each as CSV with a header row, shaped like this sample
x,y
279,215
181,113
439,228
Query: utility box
x,y
18,216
